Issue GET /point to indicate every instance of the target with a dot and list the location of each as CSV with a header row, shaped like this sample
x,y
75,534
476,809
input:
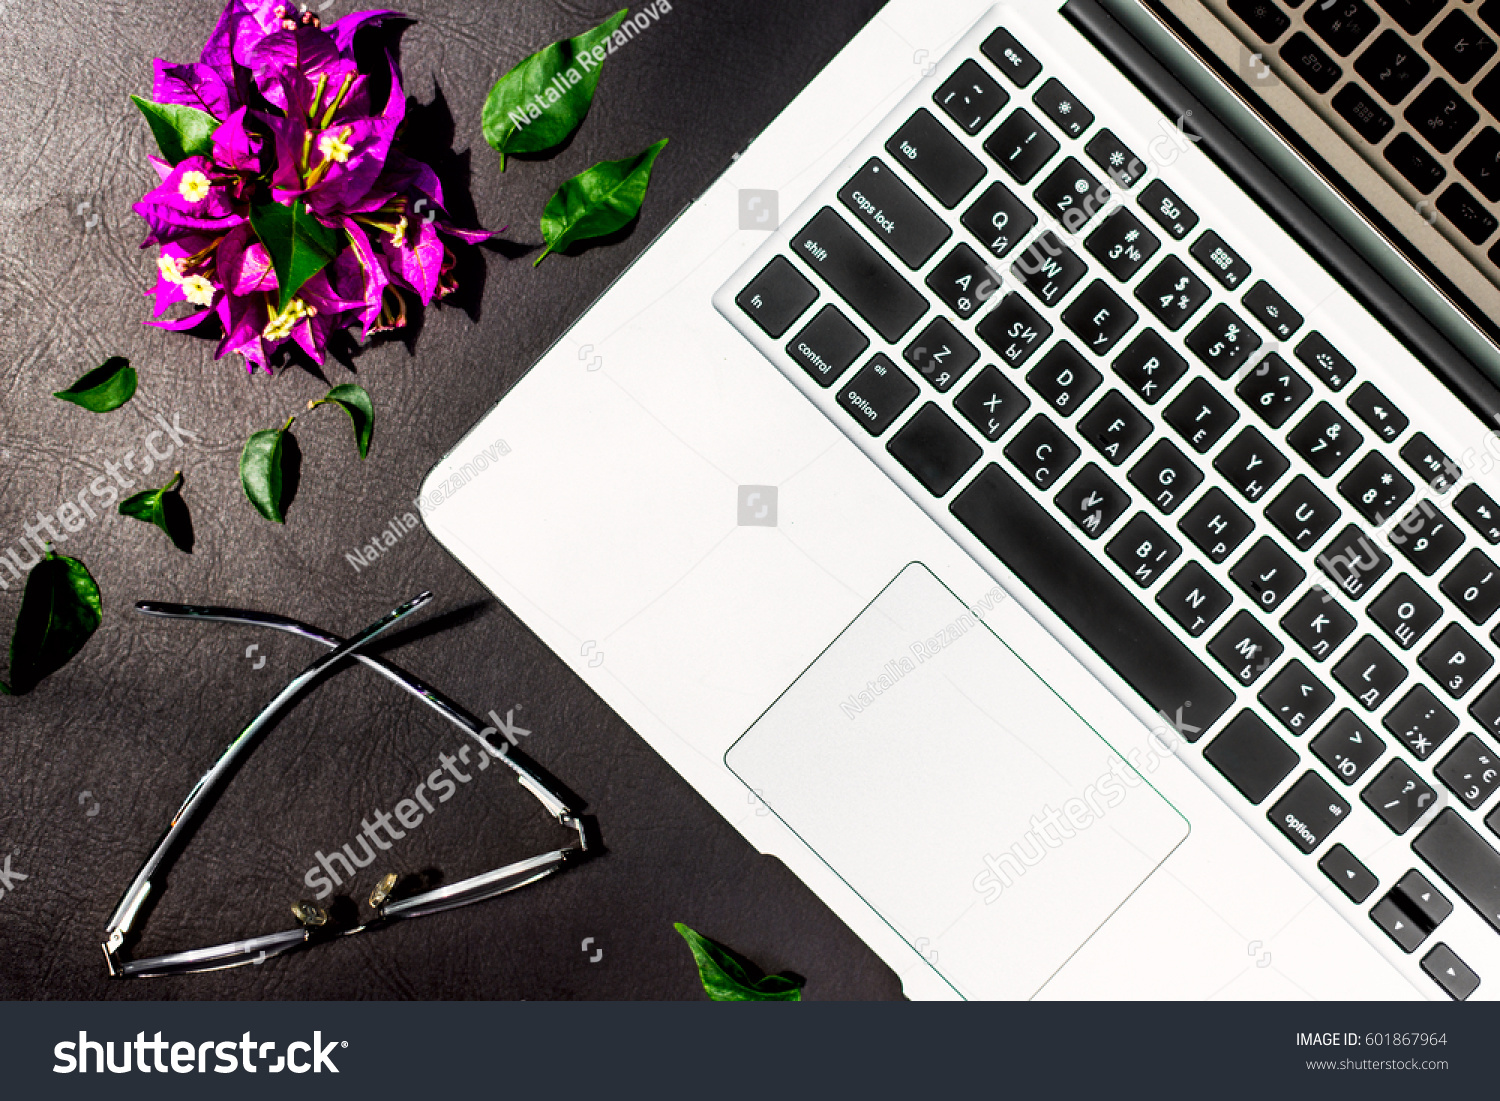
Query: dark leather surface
x,y
133,721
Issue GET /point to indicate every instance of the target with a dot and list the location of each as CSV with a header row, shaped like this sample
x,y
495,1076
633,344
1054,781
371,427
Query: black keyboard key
x,y
1310,63
936,451
1167,210
1296,697
1165,477
1405,612
1071,195
1194,599
1267,575
1143,550
1063,378
1042,452
1412,15
991,403
1251,463
1014,330
1392,66
1122,244
1456,978
1222,341
1372,407
1149,366
1092,501
878,394
1353,562
1271,310
1426,537
1263,17
1021,146
827,345
1441,115
1465,860
999,220
1011,58
1308,812
963,281
1458,45
1359,109
1480,163
1099,317
1474,587
1172,292
1348,874
1317,623
1480,510
1216,525
1302,513
1122,166
1347,746
1048,269
1416,894
1343,24
1489,11
1245,647
1467,214
1324,439
1398,924
1487,93
940,354
1375,487
1114,427
1471,771
1063,108
859,275
971,97
892,212
1219,260
1200,414
1080,590
1251,756
1273,390
1325,361
1370,673
1400,797
1420,722
777,296
1456,660
1417,166
1485,709
939,162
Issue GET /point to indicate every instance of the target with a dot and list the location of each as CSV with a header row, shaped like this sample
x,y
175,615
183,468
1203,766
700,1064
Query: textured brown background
x,y
148,704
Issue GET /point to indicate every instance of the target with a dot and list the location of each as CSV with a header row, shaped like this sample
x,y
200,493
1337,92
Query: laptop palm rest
x,y
956,792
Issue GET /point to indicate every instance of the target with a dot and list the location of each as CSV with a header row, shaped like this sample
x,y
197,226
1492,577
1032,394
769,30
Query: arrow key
x,y
1422,900
1398,924
1348,874
1450,972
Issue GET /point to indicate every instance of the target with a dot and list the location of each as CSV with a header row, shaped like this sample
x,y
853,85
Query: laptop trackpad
x,y
956,792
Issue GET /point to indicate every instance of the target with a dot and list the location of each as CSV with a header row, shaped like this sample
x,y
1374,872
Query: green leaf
x,y
726,978
106,387
598,201
355,401
181,131
527,93
154,506
299,244
60,610
263,471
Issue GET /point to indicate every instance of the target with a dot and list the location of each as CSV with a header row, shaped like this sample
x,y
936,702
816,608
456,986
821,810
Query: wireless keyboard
x,y
1148,412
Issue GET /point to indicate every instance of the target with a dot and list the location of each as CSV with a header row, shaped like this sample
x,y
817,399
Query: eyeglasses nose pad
x,y
382,891
309,914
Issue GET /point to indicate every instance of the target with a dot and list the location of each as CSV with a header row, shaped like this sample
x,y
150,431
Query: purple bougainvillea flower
x,y
194,196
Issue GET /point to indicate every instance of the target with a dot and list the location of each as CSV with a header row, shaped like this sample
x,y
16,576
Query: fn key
x,y
777,296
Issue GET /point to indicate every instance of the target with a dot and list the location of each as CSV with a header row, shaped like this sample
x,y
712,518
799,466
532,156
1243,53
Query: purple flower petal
x,y
371,270
243,264
182,324
197,86
306,50
345,27
235,146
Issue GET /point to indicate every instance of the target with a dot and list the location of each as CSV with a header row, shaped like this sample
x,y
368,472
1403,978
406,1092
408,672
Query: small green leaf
x,y
154,506
106,387
726,979
263,473
355,401
60,610
181,131
598,201
299,244
534,106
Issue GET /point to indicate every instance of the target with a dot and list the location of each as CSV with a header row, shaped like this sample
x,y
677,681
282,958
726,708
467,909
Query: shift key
x,y
860,275
892,212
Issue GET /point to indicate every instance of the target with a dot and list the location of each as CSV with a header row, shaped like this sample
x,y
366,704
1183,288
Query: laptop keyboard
x,y
1033,321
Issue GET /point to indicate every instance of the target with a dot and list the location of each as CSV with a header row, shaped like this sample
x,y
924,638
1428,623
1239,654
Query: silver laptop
x,y
1011,506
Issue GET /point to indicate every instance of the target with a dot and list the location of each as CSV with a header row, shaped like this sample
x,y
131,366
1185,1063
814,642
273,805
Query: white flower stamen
x,y
335,147
198,290
194,186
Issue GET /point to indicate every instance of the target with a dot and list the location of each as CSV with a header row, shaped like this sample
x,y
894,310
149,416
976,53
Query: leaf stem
x,y
288,423
176,480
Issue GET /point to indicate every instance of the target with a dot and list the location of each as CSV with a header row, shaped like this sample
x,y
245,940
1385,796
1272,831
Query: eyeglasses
x,y
314,922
